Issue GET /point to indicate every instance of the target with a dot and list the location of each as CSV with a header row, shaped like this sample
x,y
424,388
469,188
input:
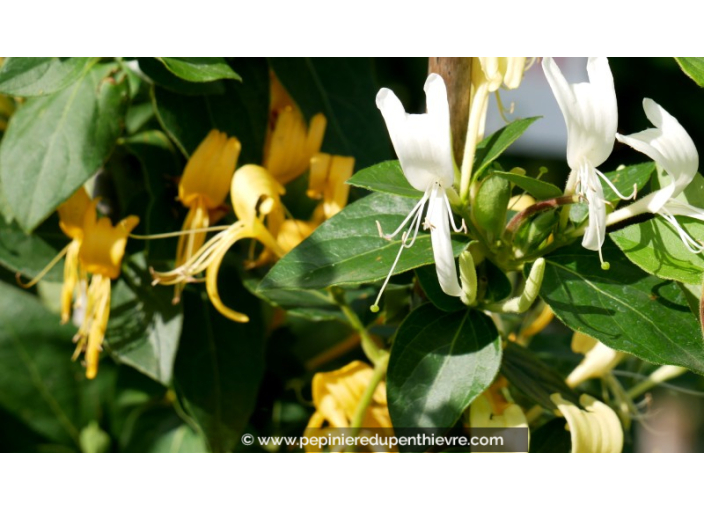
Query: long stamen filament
x,y
615,190
463,225
219,228
44,271
375,307
690,243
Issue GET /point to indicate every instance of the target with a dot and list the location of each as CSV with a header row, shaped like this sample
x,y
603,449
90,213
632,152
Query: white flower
x,y
424,148
591,117
669,145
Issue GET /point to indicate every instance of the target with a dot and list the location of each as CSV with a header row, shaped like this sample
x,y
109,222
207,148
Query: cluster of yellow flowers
x,y
97,248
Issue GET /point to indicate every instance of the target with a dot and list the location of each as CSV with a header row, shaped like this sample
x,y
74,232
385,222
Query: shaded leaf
x,y
342,90
241,111
220,363
440,362
495,144
27,254
540,190
39,383
428,279
624,308
144,327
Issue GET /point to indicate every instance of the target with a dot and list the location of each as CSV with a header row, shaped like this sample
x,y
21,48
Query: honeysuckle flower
x,y
336,395
203,189
328,176
256,200
591,117
669,145
598,361
491,409
71,221
100,255
424,148
289,143
594,429
487,75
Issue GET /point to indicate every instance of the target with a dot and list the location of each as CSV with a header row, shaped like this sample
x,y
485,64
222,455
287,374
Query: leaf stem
x,y
366,400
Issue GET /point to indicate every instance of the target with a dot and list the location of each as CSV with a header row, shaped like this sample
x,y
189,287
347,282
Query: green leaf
x,y
200,69
160,430
161,166
440,362
38,76
347,248
428,279
343,90
494,145
220,363
693,67
27,254
624,308
161,76
38,381
385,177
540,190
144,327
656,247
534,378
55,143
241,111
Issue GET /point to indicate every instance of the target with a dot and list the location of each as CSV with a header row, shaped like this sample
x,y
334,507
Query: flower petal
x,y
669,145
596,229
677,208
442,245
422,142
589,110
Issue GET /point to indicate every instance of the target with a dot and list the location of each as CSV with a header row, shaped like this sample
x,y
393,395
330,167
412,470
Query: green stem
x,y
366,400
369,346
662,374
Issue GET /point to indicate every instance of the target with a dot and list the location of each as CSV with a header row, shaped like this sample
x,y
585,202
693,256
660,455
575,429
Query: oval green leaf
x,y
200,69
38,76
440,362
55,143
624,307
347,248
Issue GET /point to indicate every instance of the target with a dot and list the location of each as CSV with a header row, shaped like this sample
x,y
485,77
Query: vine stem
x,y
361,410
369,346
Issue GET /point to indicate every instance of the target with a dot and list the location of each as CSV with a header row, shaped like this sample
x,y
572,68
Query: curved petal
x,y
677,208
669,145
442,245
422,142
589,110
596,229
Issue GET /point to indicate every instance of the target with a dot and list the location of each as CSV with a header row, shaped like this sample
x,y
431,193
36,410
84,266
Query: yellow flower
x,y
100,254
256,200
594,429
203,189
289,143
598,360
491,409
71,215
336,395
328,176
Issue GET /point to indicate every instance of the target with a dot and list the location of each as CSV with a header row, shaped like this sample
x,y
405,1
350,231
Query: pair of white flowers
x,y
591,117
424,147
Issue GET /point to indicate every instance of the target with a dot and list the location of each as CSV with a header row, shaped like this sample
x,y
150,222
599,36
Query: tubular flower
x,y
336,395
256,200
487,75
594,429
203,189
100,254
591,117
598,359
328,176
491,409
71,216
669,145
424,149
289,143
